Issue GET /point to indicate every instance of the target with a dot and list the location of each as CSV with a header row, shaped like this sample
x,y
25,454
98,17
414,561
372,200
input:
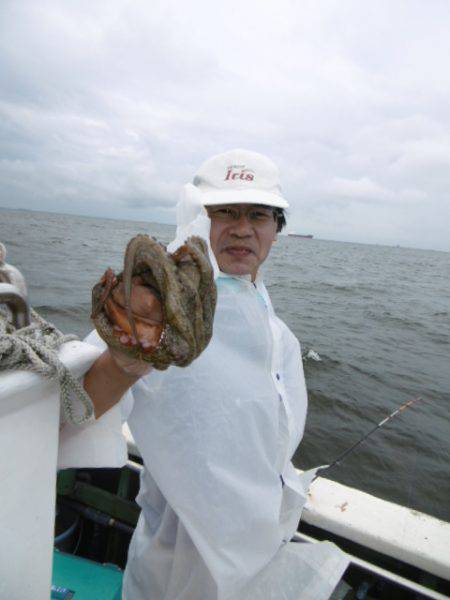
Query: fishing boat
x,y
65,532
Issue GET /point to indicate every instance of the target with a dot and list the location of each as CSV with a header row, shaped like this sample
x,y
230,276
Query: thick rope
x,y
35,348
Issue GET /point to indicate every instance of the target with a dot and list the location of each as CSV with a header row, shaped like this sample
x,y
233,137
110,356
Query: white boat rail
x,y
396,531
412,586
29,438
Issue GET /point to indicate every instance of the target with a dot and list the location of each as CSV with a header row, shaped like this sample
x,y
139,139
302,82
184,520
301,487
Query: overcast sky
x,y
107,108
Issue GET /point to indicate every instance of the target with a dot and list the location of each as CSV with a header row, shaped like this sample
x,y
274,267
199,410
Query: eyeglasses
x,y
256,215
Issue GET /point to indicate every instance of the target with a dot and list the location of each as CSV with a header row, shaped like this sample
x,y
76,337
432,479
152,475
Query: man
x,y
219,495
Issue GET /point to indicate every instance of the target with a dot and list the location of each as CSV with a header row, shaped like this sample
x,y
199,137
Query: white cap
x,y
239,177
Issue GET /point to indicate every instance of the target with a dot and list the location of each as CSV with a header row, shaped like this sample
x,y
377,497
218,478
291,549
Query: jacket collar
x,y
258,279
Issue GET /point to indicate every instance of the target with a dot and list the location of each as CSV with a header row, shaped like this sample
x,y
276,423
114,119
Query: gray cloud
x,y
110,108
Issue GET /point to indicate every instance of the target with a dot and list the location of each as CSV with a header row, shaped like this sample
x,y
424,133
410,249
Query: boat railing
x,y
17,303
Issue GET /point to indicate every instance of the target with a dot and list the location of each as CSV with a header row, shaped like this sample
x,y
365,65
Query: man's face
x,y
241,236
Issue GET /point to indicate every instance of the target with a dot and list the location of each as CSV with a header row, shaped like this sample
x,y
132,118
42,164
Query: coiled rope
x,y
35,348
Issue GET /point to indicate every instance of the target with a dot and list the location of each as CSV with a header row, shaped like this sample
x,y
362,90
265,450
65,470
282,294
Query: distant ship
x,y
307,236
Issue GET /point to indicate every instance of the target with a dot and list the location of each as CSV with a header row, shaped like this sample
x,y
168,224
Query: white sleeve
x,y
98,442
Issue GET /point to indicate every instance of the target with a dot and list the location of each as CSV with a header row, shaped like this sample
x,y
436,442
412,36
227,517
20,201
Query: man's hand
x,y
114,372
147,313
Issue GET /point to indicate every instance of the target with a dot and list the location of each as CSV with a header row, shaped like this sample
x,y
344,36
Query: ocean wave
x,y
8,243
388,318
311,356
337,286
82,310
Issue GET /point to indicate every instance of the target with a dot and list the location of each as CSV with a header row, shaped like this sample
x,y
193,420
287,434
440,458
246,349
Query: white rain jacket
x,y
219,495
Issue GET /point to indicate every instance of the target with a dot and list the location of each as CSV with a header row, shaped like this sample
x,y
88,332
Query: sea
x,y
373,323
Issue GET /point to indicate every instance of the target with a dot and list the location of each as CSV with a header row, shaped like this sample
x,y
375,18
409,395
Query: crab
x,y
182,299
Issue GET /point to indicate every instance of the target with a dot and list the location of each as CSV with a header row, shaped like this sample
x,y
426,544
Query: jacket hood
x,y
192,219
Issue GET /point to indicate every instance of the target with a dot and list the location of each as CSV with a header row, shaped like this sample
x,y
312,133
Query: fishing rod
x,y
341,457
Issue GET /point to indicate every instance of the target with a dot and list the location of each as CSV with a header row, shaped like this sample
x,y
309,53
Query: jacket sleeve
x,y
99,442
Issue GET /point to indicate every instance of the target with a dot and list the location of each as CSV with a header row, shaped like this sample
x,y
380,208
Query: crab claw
x,y
107,282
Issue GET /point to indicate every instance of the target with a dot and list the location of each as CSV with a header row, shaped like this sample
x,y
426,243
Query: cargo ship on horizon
x,y
307,236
